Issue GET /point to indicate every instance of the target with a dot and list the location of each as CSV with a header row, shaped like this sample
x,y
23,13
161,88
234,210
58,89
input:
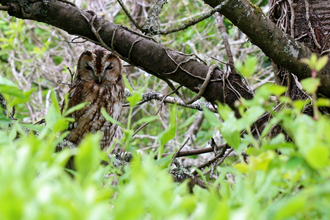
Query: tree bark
x,y
306,21
276,44
134,48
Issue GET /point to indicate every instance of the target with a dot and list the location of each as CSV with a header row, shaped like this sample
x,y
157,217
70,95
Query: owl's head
x,y
99,66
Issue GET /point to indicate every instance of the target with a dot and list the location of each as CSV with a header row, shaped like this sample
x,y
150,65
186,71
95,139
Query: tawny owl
x,y
99,81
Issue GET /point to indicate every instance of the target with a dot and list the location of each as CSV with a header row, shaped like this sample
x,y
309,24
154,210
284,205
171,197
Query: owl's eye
x,y
88,67
109,67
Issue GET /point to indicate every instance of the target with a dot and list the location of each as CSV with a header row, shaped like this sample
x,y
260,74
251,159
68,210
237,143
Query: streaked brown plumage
x,y
99,81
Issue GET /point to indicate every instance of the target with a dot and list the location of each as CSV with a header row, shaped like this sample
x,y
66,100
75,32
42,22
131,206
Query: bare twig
x,y
192,54
96,32
220,161
176,154
161,106
170,84
326,42
130,50
310,25
194,127
184,70
196,152
325,51
179,65
193,21
211,161
148,96
222,29
302,36
129,15
146,27
292,18
204,85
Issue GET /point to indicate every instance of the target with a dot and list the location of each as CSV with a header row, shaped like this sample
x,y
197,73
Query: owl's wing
x,y
76,95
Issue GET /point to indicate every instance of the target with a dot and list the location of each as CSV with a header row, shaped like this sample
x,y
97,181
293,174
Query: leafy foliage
x,y
292,184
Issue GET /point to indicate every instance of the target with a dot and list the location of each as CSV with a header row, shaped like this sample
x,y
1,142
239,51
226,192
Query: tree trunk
x,y
306,21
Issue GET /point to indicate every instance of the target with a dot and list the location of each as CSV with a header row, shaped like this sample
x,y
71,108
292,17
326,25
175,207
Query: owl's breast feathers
x,y
90,119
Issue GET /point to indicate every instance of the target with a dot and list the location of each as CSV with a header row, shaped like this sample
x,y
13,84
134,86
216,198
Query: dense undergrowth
x,y
281,179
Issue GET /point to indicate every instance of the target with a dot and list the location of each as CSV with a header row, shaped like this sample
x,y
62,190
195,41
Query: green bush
x,y
291,185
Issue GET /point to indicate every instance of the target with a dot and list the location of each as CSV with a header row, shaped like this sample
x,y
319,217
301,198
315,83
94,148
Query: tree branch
x,y
132,47
276,44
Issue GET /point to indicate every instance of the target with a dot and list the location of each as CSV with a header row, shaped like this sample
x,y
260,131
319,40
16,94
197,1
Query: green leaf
x,y
166,135
278,146
269,126
109,118
169,133
249,66
310,84
4,120
323,102
313,60
290,207
62,157
57,60
61,138
211,118
300,104
75,108
12,90
4,40
284,99
225,111
13,133
127,84
61,124
52,117
251,115
145,120
54,101
87,159
294,162
26,98
318,157
187,122
36,128
321,63
134,99
268,89
7,82
137,96
233,138
164,161
231,133
253,151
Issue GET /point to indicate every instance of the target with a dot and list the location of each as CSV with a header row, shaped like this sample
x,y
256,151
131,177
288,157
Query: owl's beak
x,y
100,79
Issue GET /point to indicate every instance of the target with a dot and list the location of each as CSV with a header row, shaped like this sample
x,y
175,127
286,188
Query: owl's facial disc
x,y
111,71
100,67
96,76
